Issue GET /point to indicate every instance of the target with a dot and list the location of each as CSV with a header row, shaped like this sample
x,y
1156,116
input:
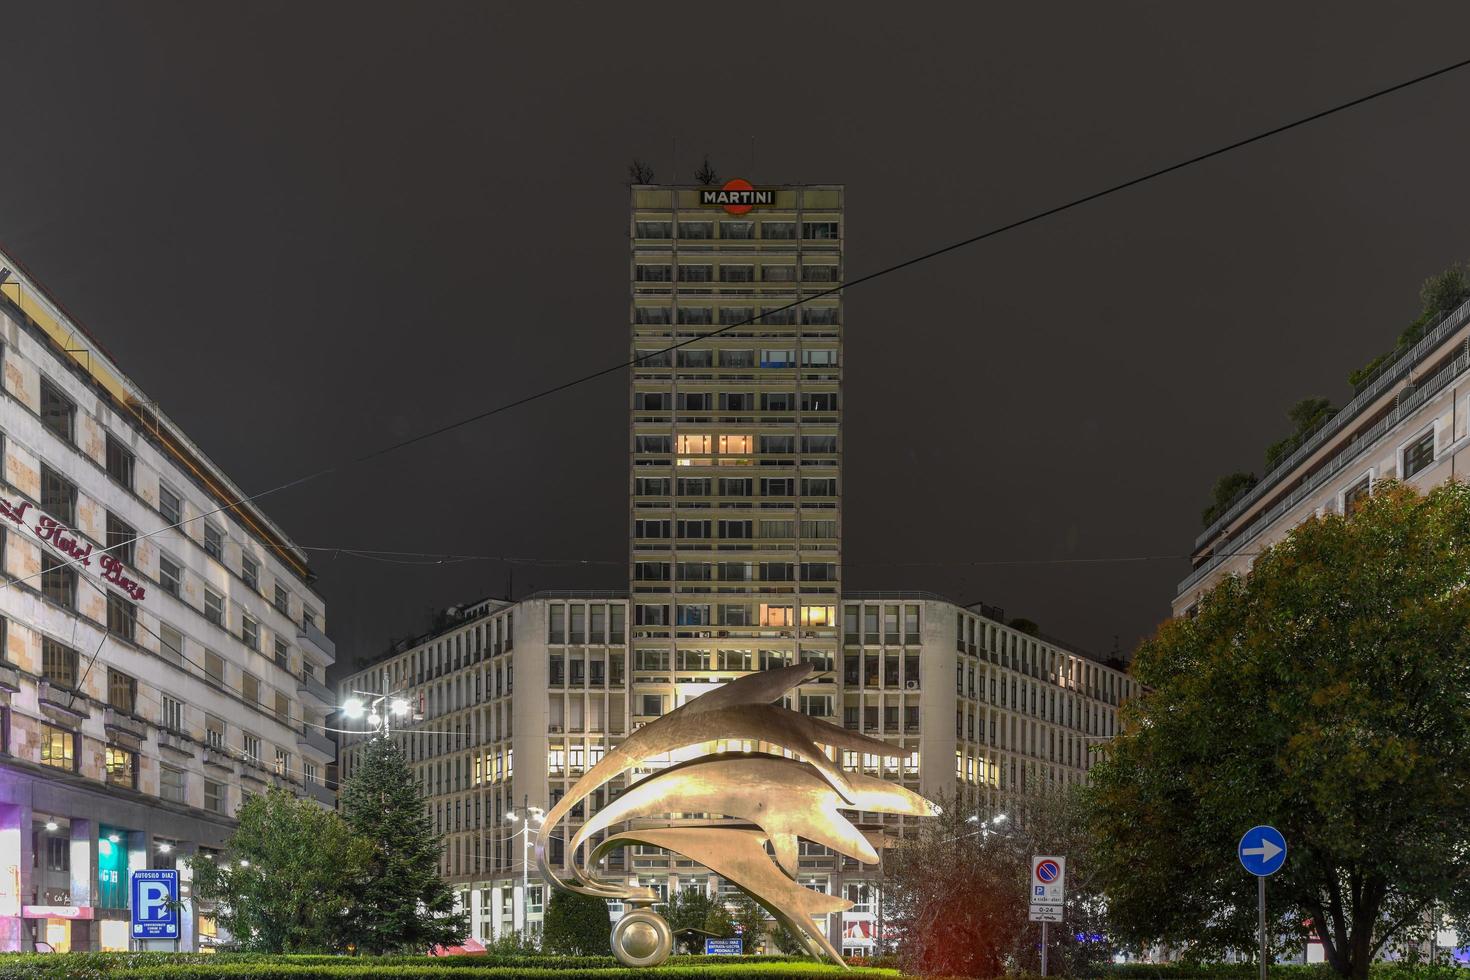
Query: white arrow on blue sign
x,y
1262,851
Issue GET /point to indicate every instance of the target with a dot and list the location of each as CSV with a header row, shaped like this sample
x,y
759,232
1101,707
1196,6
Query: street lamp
x,y
530,817
379,709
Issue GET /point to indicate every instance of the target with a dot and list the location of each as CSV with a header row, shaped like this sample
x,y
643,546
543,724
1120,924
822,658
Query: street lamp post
x,y
378,709
530,816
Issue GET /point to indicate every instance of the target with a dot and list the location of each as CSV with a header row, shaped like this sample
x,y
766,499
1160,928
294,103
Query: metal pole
x,y
1261,918
525,866
1043,947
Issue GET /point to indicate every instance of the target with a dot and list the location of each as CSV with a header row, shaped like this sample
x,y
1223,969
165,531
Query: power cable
x,y
869,277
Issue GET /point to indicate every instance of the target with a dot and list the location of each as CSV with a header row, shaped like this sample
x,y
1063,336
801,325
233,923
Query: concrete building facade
x,y
163,652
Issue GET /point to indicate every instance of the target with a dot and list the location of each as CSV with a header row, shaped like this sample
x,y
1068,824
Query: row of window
x,y
59,498
765,614
739,401
736,530
732,272
730,358
705,230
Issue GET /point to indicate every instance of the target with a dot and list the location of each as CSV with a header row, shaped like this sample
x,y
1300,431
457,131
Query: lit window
x,y
58,747
122,767
694,444
737,444
775,615
818,615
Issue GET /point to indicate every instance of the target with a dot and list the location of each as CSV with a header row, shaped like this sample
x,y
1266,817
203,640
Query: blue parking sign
x,y
155,904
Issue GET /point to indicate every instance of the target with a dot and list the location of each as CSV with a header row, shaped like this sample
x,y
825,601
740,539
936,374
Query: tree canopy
x,y
287,879
403,905
1324,693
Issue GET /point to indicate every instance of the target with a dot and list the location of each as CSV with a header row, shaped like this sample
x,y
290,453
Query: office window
x,y
309,774
119,461
249,632
281,601
170,576
171,713
653,704
308,616
171,784
58,748
737,230
214,796
250,571
214,542
170,505
122,616
1355,496
58,412
820,230
122,691
653,229
251,744
214,666
283,655
214,732
696,229
59,664
250,688
214,607
58,580
122,767
58,496
283,762
1419,454
283,707
778,230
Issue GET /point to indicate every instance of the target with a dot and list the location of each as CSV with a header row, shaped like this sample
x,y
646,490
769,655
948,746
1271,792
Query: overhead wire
x,y
818,294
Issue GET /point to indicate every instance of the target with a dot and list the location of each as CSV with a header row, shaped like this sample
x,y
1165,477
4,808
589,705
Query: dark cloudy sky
x,y
310,229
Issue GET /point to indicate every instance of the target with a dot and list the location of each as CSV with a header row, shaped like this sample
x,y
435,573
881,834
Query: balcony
x,y
308,634
317,741
118,721
309,686
322,795
9,678
70,704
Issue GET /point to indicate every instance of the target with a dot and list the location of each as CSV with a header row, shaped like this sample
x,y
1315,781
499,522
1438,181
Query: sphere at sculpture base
x,y
642,938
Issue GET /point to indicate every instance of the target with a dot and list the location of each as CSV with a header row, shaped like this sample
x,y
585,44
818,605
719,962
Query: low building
x,y
163,650
518,700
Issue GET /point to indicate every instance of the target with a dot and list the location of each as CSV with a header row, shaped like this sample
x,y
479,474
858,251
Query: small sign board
x,y
1046,913
155,903
721,947
1262,850
1048,880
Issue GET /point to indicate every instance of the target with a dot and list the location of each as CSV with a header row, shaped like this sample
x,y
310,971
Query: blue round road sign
x,y
1262,851
1048,871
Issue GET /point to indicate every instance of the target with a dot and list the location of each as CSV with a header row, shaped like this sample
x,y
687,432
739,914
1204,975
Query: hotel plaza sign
x,y
738,196
65,542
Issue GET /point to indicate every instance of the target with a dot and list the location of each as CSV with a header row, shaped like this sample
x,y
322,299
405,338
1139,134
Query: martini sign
x,y
738,196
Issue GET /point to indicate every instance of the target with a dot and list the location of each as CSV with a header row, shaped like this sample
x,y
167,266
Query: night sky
x,y
309,230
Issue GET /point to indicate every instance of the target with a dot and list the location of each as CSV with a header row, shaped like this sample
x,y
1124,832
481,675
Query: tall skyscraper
x,y
736,434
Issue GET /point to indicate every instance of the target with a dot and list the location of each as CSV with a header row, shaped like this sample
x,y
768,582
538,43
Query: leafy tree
x,y
1442,293
693,909
747,913
576,925
1308,415
1324,693
956,893
288,876
1227,489
403,905
706,174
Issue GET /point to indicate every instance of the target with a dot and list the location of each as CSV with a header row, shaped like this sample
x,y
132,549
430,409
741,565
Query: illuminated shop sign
x,y
64,540
737,197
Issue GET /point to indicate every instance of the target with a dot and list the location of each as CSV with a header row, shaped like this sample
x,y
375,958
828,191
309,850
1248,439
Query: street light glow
x,y
999,818
353,708
400,707
51,825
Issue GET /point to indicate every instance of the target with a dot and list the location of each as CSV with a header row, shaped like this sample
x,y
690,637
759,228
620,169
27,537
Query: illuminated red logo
x,y
738,196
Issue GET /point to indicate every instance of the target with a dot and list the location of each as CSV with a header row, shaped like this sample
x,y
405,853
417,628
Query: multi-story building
x,y
1406,421
734,566
163,649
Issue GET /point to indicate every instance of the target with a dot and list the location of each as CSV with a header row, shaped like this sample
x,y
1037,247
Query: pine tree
x,y
404,905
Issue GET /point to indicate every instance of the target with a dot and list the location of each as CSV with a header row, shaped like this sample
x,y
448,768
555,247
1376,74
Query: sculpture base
x,y
642,938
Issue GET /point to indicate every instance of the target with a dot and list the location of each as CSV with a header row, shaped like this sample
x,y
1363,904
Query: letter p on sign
x,y
153,899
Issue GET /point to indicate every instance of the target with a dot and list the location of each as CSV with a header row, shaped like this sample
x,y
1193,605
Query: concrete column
x,y
518,908
497,902
15,873
189,915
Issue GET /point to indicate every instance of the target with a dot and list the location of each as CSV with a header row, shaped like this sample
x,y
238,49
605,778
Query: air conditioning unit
x,y
911,685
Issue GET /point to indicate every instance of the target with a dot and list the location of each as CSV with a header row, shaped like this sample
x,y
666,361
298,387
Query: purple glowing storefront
x,y
67,845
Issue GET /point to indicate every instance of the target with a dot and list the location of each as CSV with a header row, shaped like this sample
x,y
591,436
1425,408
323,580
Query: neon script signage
x,y
63,540
736,197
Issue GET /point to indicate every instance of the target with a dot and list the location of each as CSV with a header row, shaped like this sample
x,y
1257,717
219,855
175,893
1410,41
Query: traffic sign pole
x,y
1043,948
1261,911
